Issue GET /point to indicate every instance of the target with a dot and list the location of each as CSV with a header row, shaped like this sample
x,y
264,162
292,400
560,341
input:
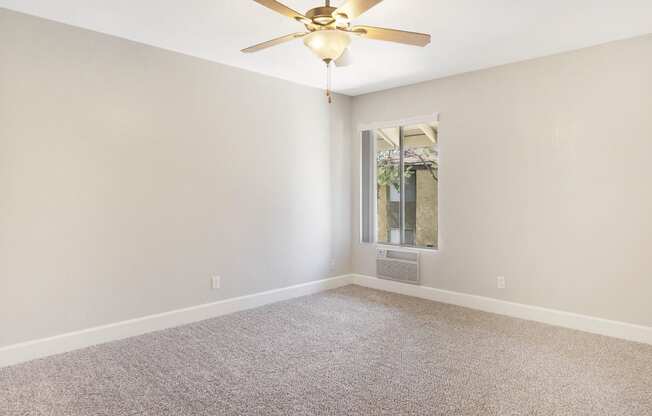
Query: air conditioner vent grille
x,y
402,266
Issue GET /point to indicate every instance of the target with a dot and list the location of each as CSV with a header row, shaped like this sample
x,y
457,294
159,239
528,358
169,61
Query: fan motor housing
x,y
322,16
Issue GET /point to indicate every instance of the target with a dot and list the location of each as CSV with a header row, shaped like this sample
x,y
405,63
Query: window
x,y
400,176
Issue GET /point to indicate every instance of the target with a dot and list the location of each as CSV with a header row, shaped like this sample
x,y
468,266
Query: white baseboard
x,y
623,330
26,351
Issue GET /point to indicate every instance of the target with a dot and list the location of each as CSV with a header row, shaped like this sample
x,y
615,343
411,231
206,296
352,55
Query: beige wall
x,y
545,178
126,179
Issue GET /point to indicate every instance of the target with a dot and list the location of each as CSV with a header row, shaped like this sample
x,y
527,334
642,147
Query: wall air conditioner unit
x,y
399,265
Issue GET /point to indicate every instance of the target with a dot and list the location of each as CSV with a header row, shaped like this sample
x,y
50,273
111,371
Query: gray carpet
x,y
351,351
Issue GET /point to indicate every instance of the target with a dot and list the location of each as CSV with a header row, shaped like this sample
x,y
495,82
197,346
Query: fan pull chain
x,y
328,83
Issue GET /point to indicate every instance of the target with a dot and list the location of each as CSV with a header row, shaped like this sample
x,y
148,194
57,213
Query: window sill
x,y
404,248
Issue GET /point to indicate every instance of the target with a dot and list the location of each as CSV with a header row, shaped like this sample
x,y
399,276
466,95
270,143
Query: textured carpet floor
x,y
351,351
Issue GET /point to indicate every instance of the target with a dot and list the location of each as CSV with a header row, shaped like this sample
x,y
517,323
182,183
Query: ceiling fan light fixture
x,y
328,31
328,44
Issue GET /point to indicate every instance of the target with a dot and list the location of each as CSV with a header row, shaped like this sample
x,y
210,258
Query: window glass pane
x,y
388,185
420,170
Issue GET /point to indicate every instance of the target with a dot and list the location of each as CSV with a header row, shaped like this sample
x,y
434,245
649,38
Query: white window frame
x,y
374,197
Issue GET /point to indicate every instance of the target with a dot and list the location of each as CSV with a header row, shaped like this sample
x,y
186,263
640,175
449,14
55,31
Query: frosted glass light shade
x,y
328,44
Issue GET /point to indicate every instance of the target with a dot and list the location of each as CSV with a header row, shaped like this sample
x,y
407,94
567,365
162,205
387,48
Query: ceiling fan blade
x,y
273,42
345,59
354,8
283,9
392,35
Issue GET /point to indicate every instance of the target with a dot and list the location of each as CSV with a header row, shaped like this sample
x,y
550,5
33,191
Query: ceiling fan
x,y
328,31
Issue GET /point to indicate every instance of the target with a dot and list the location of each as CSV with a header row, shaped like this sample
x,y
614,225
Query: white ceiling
x,y
467,34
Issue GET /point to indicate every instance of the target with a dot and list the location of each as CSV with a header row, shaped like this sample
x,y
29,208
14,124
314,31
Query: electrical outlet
x,y
215,282
332,265
500,282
